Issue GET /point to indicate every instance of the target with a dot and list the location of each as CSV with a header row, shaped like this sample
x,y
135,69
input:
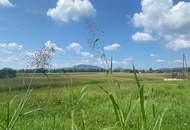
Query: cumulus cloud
x,y
141,36
50,45
165,20
179,43
87,54
6,3
160,61
71,10
112,47
11,53
10,46
9,59
126,62
75,47
153,55
29,53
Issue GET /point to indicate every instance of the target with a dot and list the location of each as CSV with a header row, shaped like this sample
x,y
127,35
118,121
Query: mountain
x,y
80,68
84,67
119,69
179,69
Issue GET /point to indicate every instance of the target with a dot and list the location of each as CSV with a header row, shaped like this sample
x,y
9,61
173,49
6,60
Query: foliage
x,y
7,73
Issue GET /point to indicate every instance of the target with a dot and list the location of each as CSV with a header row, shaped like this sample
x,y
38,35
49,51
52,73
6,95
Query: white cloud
x,y
153,55
11,53
10,46
13,61
179,43
165,20
6,52
71,10
87,54
9,59
112,47
75,47
126,61
178,61
50,45
6,3
141,36
29,53
160,61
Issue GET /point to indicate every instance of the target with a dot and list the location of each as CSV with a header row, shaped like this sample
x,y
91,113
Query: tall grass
x,y
123,115
12,118
142,99
76,109
125,107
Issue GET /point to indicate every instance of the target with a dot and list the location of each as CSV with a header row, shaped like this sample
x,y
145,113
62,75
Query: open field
x,y
76,101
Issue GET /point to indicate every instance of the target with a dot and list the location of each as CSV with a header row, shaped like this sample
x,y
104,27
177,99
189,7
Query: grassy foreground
x,y
93,101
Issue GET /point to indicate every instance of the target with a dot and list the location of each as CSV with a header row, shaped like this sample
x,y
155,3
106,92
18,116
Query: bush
x,y
7,73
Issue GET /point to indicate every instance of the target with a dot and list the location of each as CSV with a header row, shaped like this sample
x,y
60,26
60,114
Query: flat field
x,y
94,101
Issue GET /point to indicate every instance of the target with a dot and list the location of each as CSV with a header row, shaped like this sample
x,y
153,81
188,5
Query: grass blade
x,y
141,95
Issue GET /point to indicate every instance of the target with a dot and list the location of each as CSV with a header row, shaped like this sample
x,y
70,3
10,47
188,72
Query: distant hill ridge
x,y
93,68
87,67
80,68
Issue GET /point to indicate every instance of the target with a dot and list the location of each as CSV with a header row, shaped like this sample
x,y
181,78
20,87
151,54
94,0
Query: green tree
x,y
7,73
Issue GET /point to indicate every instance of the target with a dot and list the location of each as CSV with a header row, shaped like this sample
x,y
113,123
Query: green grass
x,y
96,102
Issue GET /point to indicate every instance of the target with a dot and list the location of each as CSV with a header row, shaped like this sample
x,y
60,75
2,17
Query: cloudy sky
x,y
148,33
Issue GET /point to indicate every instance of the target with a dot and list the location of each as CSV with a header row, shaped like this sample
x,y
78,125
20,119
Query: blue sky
x,y
148,33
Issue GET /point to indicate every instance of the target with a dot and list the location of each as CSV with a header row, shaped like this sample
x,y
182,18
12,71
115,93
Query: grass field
x,y
78,101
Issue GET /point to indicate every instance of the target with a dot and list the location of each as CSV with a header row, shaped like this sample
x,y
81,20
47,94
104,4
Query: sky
x,y
147,33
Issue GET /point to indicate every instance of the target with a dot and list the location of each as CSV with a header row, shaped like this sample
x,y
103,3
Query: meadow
x,y
94,101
